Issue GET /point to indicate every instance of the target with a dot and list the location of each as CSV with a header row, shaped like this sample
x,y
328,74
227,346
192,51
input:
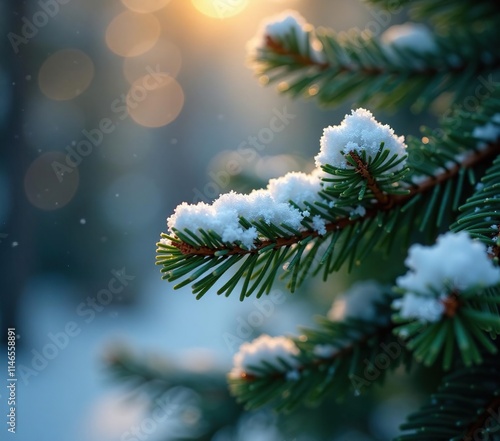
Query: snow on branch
x,y
285,201
359,132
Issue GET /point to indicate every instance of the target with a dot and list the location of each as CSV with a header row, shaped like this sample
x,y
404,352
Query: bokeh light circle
x,y
131,34
144,6
155,100
51,182
220,8
163,57
65,74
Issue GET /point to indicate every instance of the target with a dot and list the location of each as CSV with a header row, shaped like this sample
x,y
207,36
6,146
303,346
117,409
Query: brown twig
x,y
361,168
279,49
482,420
341,223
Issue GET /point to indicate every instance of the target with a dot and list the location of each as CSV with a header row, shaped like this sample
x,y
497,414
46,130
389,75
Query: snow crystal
x,y
358,132
360,210
455,260
414,36
488,132
319,225
264,348
424,308
358,302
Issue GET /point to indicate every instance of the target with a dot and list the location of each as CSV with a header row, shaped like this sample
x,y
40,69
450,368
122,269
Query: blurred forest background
x,y
112,113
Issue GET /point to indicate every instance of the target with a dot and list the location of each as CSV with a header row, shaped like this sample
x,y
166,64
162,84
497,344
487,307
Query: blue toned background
x,y
111,114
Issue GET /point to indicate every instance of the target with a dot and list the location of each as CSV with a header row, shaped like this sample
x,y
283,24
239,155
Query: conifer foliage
x,y
438,195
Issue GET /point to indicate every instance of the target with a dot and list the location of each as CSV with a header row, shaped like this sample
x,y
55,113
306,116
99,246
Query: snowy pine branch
x,y
338,214
407,64
449,300
481,213
446,14
342,357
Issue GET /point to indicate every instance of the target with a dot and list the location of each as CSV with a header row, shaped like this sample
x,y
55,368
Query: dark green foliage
x,y
364,351
357,65
367,207
466,407
472,318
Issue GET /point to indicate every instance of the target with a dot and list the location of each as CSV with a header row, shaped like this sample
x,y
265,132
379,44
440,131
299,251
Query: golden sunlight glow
x,y
220,8
155,100
51,180
143,6
165,58
131,34
65,74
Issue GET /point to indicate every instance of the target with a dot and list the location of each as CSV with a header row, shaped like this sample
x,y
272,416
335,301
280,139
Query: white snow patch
x,y
414,36
359,132
296,186
319,225
455,261
488,132
223,215
358,302
423,308
278,27
359,210
264,348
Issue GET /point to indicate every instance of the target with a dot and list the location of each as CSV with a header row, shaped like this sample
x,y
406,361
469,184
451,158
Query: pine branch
x,y
465,408
446,13
480,214
471,318
355,64
350,237
339,357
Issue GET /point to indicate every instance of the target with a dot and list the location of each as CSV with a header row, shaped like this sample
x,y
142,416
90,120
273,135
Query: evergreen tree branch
x,y
350,237
465,408
355,64
446,13
480,213
340,357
